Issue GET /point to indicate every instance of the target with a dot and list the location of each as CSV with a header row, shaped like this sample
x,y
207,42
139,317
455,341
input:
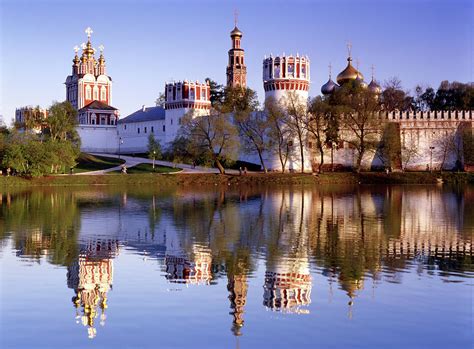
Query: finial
x,y
101,48
330,70
83,46
88,31
349,50
357,63
236,17
372,68
76,48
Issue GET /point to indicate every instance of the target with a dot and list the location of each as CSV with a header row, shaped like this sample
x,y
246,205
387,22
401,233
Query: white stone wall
x,y
98,138
135,135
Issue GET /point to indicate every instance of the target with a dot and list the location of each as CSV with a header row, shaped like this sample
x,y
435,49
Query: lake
x,y
246,267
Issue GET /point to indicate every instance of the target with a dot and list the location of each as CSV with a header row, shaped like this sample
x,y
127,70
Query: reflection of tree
x,y
42,222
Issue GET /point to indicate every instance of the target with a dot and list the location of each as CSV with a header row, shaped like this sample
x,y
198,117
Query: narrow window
x,y
152,130
163,128
145,129
138,130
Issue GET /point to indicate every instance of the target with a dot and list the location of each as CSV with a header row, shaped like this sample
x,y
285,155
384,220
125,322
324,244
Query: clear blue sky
x,y
148,42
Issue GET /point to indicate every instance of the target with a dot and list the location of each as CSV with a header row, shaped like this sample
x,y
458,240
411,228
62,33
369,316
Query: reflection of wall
x,y
287,291
196,270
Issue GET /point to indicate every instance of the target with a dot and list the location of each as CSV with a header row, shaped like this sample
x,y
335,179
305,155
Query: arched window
x,y
88,92
96,93
103,94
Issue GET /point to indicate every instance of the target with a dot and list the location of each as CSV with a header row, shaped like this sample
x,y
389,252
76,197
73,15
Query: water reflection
x,y
203,237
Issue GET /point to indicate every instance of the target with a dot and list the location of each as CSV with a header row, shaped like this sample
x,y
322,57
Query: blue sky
x,y
150,42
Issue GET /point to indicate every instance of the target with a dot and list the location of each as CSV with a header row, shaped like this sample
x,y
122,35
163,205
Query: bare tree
x,y
297,114
445,146
409,149
279,135
253,129
317,124
213,134
358,108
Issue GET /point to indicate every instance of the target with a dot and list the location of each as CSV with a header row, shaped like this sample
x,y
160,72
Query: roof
x,y
145,114
98,105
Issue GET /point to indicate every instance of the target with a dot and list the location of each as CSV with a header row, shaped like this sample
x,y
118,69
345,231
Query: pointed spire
x,y
330,70
349,51
372,68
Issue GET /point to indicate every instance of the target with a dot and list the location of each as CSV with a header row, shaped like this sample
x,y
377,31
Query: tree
x,y
213,135
279,136
389,149
297,114
216,92
409,149
252,124
61,122
358,110
445,145
317,125
34,118
161,100
154,148
394,97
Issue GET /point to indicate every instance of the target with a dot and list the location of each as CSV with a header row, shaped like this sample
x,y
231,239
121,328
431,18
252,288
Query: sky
x,y
149,43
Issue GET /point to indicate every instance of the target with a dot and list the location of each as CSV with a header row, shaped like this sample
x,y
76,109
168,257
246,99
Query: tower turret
x,y
282,74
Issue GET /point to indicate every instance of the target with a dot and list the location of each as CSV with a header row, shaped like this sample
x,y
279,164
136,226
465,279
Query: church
x,y
89,89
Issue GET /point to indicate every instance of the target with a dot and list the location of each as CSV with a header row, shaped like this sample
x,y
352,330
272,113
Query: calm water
x,y
366,267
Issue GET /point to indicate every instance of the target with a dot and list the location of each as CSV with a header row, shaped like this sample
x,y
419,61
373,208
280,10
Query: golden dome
x,y
349,74
236,32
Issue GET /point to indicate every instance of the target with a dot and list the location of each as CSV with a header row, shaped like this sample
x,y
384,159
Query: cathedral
x,y
89,89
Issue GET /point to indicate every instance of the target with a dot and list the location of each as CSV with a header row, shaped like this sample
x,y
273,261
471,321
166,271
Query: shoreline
x,y
203,179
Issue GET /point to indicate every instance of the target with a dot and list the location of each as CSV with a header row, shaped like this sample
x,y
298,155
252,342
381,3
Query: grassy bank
x,y
180,179
88,162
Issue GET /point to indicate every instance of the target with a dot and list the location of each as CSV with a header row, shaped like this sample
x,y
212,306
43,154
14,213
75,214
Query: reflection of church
x,y
91,277
195,270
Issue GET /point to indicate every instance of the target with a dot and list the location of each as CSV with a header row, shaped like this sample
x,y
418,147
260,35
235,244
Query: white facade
x,y
98,138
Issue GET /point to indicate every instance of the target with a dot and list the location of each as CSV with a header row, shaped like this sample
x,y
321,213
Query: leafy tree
x,y
61,122
216,92
212,135
154,148
389,149
161,100
394,97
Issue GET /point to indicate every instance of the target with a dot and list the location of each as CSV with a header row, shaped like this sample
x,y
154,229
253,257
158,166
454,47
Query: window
x,y
103,95
152,130
171,121
145,129
88,92
191,94
203,94
138,129
112,120
163,128
96,93
125,126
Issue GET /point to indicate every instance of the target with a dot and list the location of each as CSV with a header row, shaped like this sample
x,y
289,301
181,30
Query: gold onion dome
x,y
236,32
349,73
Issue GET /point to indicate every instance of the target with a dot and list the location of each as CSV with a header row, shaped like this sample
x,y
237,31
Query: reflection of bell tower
x,y
237,286
236,69
91,277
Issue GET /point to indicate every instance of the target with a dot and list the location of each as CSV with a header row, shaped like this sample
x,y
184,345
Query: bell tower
x,y
236,69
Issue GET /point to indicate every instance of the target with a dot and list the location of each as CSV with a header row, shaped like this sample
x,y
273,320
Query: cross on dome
x,y
236,17
372,68
101,48
76,48
83,46
349,48
330,69
89,31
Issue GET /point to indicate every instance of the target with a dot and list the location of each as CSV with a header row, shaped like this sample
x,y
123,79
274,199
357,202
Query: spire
x,y
330,70
236,17
372,68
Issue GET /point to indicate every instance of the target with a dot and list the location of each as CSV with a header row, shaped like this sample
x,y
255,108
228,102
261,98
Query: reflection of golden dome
x,y
349,74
